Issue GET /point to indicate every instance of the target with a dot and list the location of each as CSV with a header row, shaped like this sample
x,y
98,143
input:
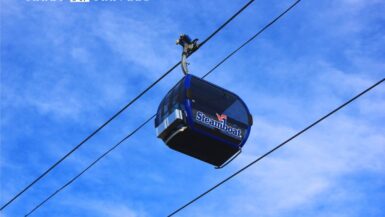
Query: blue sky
x,y
66,68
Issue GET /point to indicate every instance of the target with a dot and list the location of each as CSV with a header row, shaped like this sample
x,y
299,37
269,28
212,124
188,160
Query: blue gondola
x,y
203,120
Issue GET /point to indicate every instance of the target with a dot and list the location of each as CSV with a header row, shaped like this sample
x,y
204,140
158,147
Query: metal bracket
x,y
229,160
189,47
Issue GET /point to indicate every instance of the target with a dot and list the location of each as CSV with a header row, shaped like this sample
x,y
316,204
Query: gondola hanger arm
x,y
189,46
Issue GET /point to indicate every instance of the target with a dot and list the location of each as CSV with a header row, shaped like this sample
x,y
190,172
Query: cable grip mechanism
x,y
189,47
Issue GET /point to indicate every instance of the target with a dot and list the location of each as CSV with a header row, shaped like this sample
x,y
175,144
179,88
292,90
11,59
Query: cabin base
x,y
201,147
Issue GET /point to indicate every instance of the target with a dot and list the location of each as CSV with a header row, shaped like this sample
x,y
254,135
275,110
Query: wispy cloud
x,y
106,208
66,69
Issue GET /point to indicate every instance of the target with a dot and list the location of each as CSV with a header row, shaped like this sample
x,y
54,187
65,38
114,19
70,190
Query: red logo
x,y
221,117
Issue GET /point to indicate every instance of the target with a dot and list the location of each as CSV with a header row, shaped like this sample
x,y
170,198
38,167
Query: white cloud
x,y
139,42
304,173
105,208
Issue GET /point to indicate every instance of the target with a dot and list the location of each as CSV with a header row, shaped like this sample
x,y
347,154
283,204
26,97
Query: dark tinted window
x,y
170,102
211,99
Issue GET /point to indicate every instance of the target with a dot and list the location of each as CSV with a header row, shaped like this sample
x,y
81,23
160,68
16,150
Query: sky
x,y
68,67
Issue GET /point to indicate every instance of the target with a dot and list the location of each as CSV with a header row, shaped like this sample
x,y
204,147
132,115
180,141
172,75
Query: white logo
x,y
221,124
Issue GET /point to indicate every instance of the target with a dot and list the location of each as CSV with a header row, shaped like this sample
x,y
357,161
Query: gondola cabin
x,y
203,120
